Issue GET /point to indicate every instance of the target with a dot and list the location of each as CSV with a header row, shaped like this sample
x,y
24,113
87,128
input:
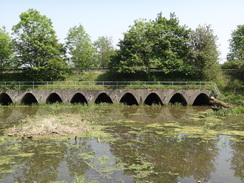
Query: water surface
x,y
138,144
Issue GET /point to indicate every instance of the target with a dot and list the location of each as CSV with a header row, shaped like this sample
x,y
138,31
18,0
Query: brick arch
x,y
129,99
78,98
201,99
5,99
178,98
153,98
29,99
53,97
103,98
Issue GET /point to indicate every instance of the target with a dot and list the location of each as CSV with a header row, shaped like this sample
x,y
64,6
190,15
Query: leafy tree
x,y
234,68
104,50
6,50
36,44
237,44
80,48
134,48
170,44
236,55
160,43
204,53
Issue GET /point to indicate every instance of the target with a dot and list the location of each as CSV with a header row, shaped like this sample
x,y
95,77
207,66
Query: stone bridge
x,y
126,96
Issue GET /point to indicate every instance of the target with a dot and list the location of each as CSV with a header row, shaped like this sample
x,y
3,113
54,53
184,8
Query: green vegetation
x,y
236,44
161,44
235,63
37,49
6,50
80,48
155,44
204,53
154,50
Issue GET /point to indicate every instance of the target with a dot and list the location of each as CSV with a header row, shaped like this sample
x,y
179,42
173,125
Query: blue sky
x,y
113,17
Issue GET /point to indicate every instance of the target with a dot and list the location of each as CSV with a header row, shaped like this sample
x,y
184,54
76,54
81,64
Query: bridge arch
x,y
103,98
78,98
29,99
53,98
201,99
5,99
152,99
128,99
178,98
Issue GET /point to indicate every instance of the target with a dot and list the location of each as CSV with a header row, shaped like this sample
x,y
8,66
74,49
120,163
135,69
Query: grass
x,y
51,125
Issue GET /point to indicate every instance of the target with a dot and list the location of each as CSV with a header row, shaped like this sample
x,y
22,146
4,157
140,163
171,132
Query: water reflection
x,y
237,160
143,147
171,157
153,111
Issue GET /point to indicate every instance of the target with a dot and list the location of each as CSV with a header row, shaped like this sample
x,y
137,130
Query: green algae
x,y
23,155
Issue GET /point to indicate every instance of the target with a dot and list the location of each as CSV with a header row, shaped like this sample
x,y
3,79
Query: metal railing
x,y
25,85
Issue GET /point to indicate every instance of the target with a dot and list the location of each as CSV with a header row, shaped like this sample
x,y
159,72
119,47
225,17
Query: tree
x,y
237,44
170,44
234,68
6,50
36,44
80,48
160,43
134,50
204,53
104,50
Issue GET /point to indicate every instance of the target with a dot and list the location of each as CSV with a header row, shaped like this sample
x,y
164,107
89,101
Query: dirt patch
x,y
62,124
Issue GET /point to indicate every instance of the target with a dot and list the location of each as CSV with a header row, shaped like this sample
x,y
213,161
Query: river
x,y
138,144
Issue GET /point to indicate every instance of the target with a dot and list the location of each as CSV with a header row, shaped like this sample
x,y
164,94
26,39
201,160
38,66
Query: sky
x,y
112,18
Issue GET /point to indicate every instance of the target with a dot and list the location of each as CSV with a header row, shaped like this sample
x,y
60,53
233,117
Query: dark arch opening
x,y
178,98
53,98
5,99
201,100
129,99
103,98
153,99
29,99
78,98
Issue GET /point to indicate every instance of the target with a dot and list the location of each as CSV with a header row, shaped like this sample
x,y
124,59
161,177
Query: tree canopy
x,y
6,50
80,48
204,53
163,44
104,50
160,43
235,57
36,45
237,44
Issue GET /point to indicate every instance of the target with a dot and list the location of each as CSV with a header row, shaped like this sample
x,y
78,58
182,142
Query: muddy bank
x,y
54,125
